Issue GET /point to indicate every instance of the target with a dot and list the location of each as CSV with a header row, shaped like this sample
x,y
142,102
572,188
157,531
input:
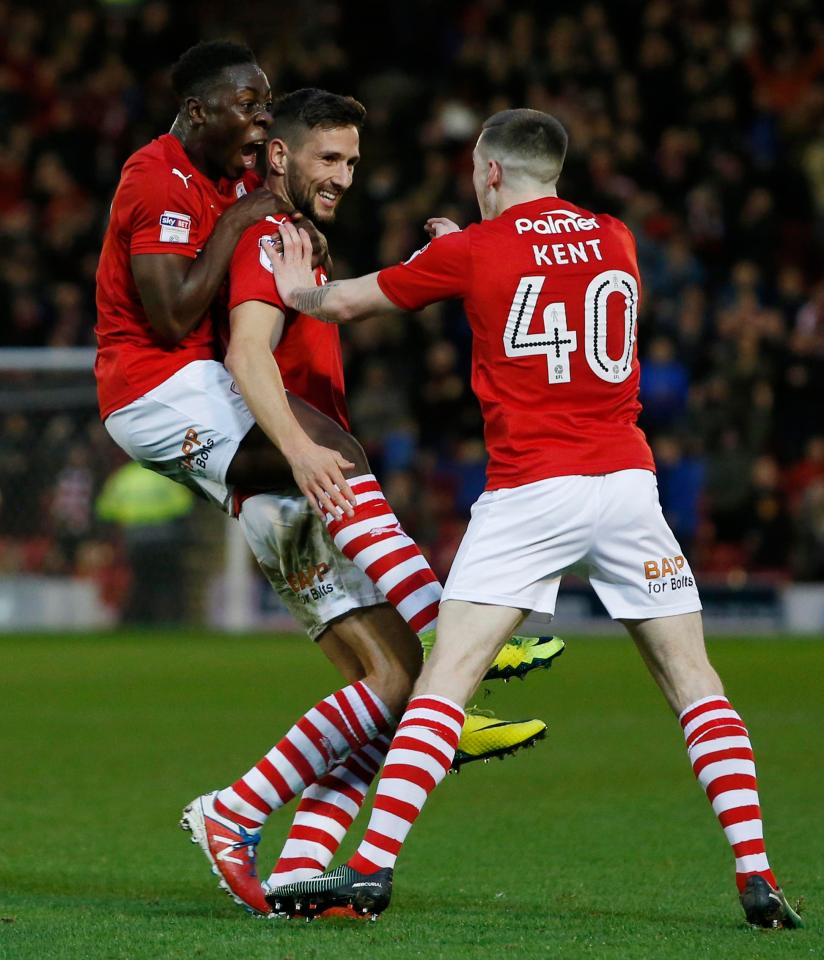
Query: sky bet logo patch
x,y
174,227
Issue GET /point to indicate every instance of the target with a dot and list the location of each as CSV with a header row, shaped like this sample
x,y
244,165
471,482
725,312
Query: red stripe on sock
x,y
734,781
360,863
328,810
317,739
233,817
357,544
368,700
739,815
285,864
404,771
390,560
362,766
335,783
399,808
736,728
729,753
429,703
383,842
768,875
363,511
416,580
348,711
366,486
245,792
301,765
747,848
364,774
447,733
720,703
328,712
403,742
279,785
424,617
314,835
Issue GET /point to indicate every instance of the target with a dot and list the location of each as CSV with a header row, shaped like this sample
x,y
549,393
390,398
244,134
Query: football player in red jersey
x,y
312,152
182,203
165,395
551,292
168,400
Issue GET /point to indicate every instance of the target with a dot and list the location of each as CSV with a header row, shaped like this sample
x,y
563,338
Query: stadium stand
x,y
700,124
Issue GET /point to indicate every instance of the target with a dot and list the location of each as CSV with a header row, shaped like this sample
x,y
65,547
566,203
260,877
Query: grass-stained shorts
x,y
314,579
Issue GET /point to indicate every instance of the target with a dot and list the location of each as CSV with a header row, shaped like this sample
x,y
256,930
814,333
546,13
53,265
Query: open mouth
x,y
328,198
250,153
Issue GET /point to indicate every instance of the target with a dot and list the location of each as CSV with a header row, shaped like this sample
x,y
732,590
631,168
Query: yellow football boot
x,y
485,736
517,658
522,655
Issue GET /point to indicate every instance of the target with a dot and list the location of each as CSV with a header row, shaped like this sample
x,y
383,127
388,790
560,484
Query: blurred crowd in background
x,y
699,123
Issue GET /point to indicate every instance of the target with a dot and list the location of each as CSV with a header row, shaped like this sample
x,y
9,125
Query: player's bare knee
x,y
329,434
349,447
393,683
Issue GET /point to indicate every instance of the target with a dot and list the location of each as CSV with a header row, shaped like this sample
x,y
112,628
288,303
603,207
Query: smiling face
x,y
318,169
233,120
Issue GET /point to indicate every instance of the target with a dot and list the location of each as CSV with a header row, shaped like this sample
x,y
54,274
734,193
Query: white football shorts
x,y
188,428
314,579
608,529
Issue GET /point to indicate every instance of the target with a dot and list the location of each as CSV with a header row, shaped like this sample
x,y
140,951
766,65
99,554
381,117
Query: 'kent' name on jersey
x,y
559,254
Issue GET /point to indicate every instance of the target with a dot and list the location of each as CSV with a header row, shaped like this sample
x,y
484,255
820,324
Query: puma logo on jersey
x,y
185,179
395,528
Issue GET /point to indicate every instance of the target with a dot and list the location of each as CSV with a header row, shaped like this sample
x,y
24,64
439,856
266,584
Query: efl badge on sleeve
x,y
175,227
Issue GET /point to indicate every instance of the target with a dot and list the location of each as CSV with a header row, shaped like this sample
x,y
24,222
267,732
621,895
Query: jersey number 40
x,y
558,341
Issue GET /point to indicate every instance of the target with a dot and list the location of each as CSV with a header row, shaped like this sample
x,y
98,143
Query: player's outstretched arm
x,y
341,301
256,329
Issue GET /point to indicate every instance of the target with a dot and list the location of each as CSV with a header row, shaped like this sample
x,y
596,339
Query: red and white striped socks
x,y
719,749
341,723
374,541
419,758
325,813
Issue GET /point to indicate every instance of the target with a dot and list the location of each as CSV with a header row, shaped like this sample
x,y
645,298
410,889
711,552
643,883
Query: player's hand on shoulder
x,y
440,227
291,261
257,205
318,472
320,248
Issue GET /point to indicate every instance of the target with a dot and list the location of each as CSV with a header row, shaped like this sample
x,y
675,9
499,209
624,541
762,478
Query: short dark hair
x,y
535,141
200,66
305,109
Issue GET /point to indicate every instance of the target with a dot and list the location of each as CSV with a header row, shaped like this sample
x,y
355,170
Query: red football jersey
x,y
162,205
309,354
551,292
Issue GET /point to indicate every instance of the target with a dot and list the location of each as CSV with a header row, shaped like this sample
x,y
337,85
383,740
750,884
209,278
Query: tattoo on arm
x,y
309,300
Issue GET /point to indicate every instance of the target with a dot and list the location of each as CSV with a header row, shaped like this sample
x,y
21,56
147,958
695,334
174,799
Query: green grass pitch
x,y
597,844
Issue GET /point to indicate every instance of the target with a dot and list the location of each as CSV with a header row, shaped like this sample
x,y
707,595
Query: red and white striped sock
x,y
419,758
374,540
721,755
341,723
325,813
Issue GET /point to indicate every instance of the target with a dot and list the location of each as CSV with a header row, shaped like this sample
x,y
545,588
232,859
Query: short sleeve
x,y
250,272
163,211
439,271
